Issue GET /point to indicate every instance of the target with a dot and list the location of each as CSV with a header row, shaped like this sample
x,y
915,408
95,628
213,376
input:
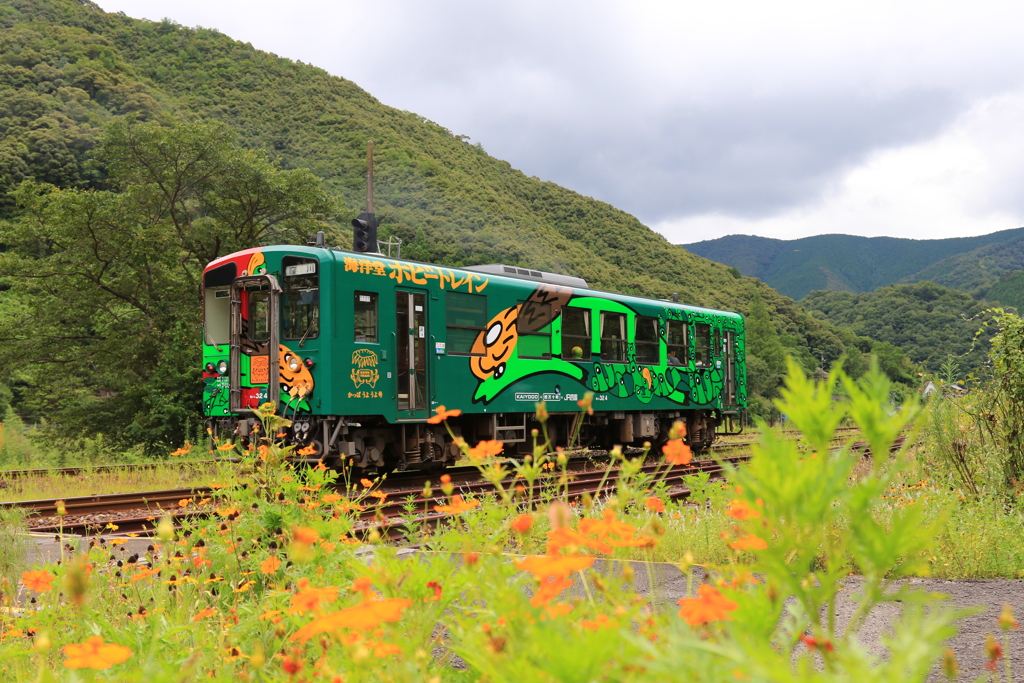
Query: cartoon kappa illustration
x,y
495,361
497,364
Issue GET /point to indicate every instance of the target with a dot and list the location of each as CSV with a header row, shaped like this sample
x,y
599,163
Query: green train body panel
x,y
350,377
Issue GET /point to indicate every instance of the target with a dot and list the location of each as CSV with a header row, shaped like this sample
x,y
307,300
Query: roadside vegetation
x,y
279,583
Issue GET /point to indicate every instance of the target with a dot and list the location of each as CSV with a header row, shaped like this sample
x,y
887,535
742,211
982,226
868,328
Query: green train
x,y
359,350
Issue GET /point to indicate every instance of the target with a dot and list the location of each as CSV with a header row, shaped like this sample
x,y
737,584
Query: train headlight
x,y
210,368
222,367
294,363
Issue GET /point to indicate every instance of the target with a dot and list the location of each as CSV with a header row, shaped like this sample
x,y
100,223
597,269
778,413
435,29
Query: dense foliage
x,y
861,264
103,281
930,322
273,583
68,70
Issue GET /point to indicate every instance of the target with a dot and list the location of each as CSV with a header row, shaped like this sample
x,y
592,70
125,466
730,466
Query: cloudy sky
x,y
782,119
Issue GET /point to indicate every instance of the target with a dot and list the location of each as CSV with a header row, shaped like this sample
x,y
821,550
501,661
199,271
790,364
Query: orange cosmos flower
x,y
522,523
227,512
144,574
349,506
443,415
303,534
554,566
655,505
270,565
457,506
602,621
308,597
587,403
741,509
38,580
708,606
366,483
308,450
485,449
608,526
749,542
365,616
548,589
94,654
225,447
677,452
331,498
202,614
640,542
567,537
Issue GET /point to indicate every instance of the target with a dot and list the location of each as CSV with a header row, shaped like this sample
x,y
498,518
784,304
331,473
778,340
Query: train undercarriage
x,y
369,443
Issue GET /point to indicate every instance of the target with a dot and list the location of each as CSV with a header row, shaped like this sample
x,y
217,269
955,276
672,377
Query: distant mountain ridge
x,y
862,264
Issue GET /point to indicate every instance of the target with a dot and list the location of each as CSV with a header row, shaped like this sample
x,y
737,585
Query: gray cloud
x,y
667,110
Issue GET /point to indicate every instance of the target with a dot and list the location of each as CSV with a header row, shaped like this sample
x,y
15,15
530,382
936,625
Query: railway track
x,y
139,512
92,469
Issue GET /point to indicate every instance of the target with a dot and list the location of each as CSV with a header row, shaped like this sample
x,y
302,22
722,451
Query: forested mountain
x,y
930,322
862,264
104,108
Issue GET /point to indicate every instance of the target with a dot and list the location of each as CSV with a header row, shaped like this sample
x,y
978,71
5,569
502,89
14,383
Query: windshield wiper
x,y
209,339
302,342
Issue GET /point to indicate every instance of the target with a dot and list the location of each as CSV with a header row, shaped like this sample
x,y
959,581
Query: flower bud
x,y
559,514
43,642
949,665
1006,620
165,529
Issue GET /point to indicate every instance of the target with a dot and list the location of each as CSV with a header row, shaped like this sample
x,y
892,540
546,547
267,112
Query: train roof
x,y
559,280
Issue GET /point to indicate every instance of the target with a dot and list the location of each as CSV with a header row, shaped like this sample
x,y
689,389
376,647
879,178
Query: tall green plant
x,y
1005,407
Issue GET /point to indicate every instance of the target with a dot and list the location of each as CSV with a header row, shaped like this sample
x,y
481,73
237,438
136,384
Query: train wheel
x,y
433,458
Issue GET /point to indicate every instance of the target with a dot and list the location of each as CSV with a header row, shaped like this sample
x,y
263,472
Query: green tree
x,y
103,303
766,355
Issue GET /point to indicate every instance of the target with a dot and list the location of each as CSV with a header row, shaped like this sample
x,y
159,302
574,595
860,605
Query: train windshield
x,y
300,300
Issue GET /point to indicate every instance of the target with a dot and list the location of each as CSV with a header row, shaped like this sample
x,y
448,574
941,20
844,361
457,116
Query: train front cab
x,y
262,337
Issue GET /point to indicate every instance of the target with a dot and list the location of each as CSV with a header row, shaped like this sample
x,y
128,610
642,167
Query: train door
x,y
254,341
411,353
730,369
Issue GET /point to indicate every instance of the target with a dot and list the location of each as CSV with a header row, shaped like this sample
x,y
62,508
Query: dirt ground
x,y
668,584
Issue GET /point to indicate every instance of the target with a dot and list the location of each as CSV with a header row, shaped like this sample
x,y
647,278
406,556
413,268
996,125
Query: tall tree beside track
x,y
106,281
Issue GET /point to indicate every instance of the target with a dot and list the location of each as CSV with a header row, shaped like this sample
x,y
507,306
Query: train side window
x,y
533,327
675,342
702,345
613,337
575,333
300,299
648,350
366,317
466,318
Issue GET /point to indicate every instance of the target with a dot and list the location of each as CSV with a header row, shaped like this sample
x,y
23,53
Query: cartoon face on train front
x,y
295,378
